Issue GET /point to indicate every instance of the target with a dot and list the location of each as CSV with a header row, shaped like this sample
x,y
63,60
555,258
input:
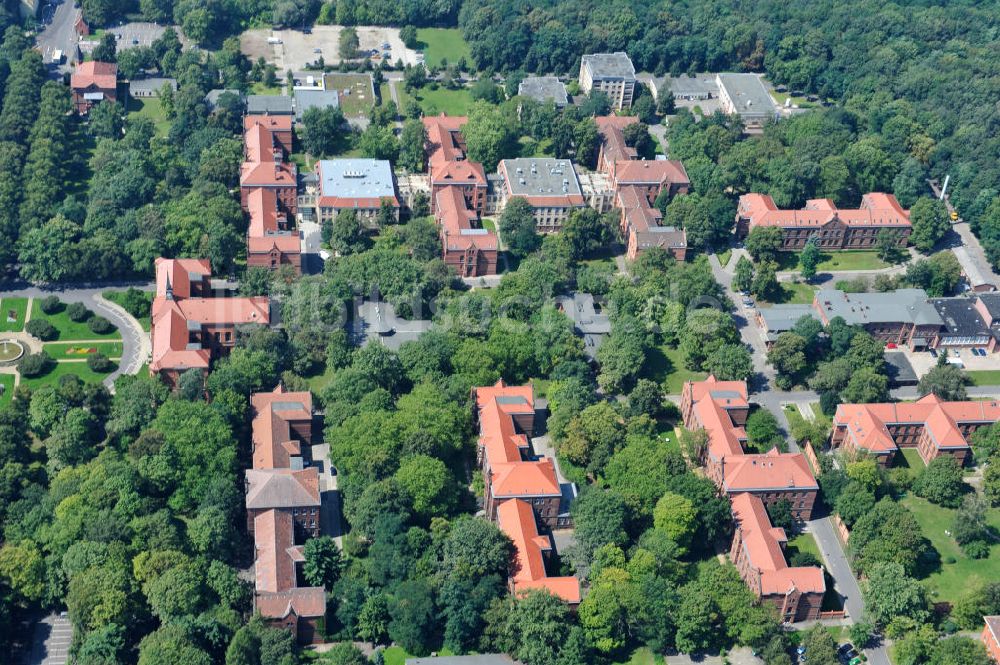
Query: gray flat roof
x,y
356,178
580,308
273,104
378,320
960,316
780,318
543,89
609,66
155,84
700,84
541,176
307,99
747,92
901,305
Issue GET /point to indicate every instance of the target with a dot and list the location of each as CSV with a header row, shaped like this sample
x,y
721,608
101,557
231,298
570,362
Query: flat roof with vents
x,y
545,176
356,178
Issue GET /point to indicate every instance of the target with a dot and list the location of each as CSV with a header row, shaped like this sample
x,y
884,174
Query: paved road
x,y
135,340
59,34
52,638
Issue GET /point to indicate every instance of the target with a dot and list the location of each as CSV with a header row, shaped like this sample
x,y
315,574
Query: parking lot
x,y
52,638
129,35
297,49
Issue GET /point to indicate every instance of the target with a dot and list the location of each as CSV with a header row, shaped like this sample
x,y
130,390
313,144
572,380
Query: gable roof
x,y
517,520
771,471
282,488
877,209
103,75
273,444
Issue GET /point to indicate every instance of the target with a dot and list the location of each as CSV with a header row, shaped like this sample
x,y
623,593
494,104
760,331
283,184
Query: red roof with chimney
x,y
517,520
101,75
273,412
761,544
771,471
457,222
651,172
613,139
280,123
444,139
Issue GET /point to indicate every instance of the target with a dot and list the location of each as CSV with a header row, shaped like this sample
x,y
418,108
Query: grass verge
x,y
12,312
152,108
77,351
6,388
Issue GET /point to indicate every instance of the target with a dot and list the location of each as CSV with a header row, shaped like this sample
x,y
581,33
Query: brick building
x,y
720,408
272,239
458,198
266,145
932,426
283,511
522,490
360,185
834,228
757,551
991,637
192,324
92,83
549,185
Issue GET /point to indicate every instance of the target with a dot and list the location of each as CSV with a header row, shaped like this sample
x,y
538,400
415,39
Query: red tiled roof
x,y
282,488
267,174
458,173
517,520
273,445
610,128
762,546
496,428
281,123
263,232
536,478
867,424
177,273
103,75
274,534
444,139
651,172
877,209
307,602
771,471
456,222
711,398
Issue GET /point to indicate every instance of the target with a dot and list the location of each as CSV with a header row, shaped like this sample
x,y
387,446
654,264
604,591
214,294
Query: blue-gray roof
x,y
356,178
307,99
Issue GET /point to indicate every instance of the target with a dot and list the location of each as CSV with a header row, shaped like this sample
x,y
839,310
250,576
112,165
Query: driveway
x,y
59,34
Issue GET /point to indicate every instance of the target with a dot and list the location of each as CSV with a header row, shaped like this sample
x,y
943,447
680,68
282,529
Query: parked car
x,y
932,352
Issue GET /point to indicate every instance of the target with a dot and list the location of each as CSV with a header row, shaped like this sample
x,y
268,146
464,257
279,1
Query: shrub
x,y
41,329
976,549
100,325
51,304
135,302
78,312
98,362
36,364
805,559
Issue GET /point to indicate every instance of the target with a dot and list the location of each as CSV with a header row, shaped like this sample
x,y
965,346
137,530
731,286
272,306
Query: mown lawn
x,y
641,656
443,44
258,88
398,655
724,257
798,293
12,312
118,297
953,580
444,100
666,366
152,108
984,377
804,542
68,328
6,388
78,351
62,369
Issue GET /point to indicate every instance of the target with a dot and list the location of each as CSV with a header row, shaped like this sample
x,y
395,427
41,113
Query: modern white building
x,y
612,74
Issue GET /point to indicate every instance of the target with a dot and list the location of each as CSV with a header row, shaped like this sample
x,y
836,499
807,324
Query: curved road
x,y
135,340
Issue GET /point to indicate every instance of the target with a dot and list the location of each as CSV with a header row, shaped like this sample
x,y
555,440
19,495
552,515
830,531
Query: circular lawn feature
x,y
10,351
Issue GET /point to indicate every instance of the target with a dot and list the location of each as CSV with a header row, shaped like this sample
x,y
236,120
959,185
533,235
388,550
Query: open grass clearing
x,y
804,542
152,108
61,369
68,328
798,293
12,313
665,365
259,88
441,45
984,377
443,100
953,580
397,655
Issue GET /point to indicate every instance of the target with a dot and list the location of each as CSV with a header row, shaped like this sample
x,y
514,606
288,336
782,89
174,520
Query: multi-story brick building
x,y
611,73
458,197
361,185
283,510
264,166
833,228
192,324
549,185
517,519
932,426
720,408
92,83
272,239
757,551
279,127
641,226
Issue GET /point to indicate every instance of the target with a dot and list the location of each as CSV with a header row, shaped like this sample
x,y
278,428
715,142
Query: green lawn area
x,y
442,44
12,308
804,542
984,377
6,388
398,655
68,328
152,108
317,381
794,415
402,96
641,656
793,293
666,366
443,100
355,90
63,368
532,148
488,224
303,160
117,297
850,259
954,579
724,257
258,88
76,351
